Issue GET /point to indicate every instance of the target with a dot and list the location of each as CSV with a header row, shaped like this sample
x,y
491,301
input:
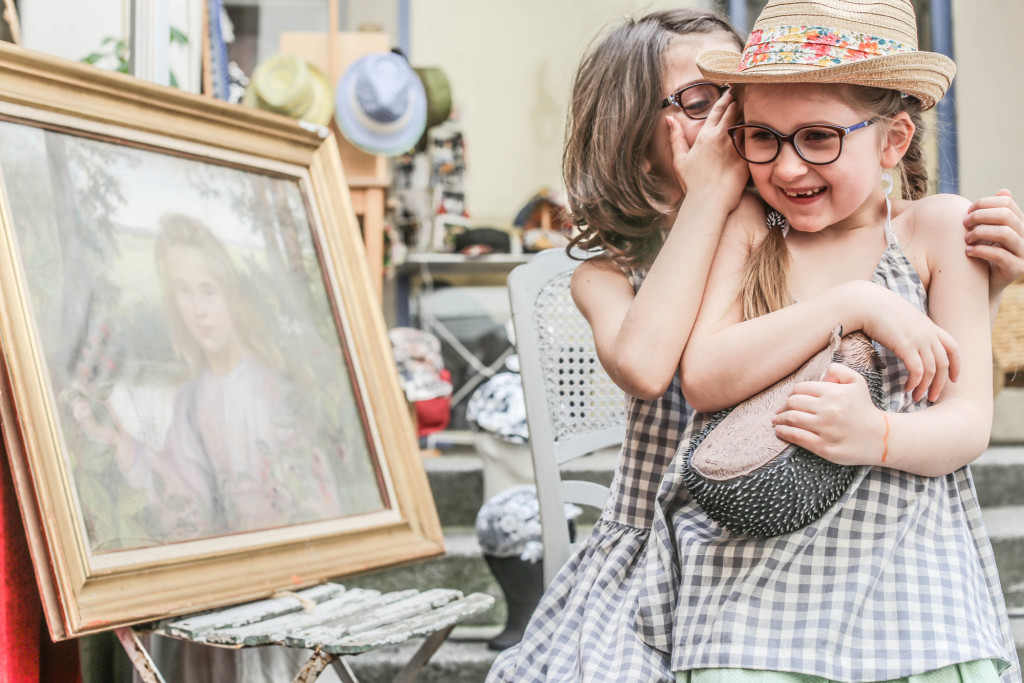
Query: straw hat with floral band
x,y
858,42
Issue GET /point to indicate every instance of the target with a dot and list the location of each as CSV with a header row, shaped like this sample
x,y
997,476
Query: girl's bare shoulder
x,y
595,276
747,222
938,219
602,266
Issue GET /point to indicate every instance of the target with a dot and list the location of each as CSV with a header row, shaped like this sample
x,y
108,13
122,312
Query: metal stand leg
x,y
423,655
137,653
343,670
319,661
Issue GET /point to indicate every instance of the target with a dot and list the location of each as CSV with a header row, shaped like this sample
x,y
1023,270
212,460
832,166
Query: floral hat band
x,y
815,45
857,42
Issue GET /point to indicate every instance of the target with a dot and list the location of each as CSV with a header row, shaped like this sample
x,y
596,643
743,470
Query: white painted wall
x,y
510,65
71,29
74,28
989,96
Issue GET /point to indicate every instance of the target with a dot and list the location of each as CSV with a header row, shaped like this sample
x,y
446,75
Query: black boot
x,y
522,582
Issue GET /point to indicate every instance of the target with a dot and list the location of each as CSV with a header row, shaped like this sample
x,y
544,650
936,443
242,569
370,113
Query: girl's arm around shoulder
x,y
995,234
640,336
956,429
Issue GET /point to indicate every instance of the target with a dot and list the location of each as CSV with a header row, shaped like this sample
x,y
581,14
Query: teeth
x,y
807,193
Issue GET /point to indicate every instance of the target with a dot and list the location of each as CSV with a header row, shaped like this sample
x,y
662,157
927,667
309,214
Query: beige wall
x,y
989,95
510,65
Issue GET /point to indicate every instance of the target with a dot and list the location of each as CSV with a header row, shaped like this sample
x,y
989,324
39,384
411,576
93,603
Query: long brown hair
x,y
766,277
614,109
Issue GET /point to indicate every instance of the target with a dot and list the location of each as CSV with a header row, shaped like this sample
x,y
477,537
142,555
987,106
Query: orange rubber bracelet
x,y
885,439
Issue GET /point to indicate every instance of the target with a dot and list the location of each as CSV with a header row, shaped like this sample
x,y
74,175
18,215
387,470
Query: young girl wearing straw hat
x,y
897,578
648,164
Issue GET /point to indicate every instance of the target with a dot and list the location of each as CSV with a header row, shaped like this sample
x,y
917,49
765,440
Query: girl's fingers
x,y
813,389
676,137
999,257
799,437
718,110
927,375
800,401
996,233
941,374
915,370
840,374
1003,215
794,418
1001,200
952,352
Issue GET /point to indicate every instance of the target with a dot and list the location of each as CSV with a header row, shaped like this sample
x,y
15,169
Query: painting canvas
x,y
200,375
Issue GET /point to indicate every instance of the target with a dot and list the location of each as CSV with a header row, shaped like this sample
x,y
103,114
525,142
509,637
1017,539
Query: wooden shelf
x,y
458,263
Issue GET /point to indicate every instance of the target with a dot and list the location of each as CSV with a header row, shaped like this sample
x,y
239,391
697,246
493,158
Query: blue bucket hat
x,y
381,106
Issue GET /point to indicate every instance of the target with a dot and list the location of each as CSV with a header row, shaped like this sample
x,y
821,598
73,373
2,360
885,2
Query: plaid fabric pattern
x,y
897,578
584,627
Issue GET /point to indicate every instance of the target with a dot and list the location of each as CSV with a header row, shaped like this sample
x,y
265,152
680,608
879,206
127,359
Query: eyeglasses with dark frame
x,y
818,143
696,100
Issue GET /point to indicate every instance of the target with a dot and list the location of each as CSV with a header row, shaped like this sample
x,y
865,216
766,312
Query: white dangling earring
x,y
886,183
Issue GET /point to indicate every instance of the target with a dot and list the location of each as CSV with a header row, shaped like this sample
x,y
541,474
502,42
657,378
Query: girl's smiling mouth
x,y
803,193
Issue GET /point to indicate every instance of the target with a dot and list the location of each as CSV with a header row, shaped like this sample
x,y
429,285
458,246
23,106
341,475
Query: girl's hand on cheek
x,y
712,164
834,419
995,233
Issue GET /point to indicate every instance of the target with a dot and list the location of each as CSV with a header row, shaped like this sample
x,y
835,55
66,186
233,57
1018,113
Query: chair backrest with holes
x,y
572,407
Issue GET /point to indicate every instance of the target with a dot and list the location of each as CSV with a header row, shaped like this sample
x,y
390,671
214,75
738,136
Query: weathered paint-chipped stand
x,y
329,619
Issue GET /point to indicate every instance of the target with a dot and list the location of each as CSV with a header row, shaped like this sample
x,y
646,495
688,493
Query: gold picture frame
x,y
199,400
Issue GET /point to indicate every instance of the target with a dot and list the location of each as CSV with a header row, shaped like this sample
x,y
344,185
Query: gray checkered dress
x,y
897,578
584,628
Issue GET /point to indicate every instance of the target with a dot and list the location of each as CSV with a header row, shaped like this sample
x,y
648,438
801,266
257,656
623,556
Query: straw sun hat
x,y
861,42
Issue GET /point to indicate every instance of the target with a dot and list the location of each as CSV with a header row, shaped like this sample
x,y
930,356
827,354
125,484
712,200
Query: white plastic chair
x,y
572,407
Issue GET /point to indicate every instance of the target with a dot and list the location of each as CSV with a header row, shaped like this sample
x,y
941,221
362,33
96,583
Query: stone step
x,y
463,658
462,567
1005,526
999,475
457,480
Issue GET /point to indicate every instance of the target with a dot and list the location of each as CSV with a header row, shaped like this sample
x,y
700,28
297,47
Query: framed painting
x,y
199,401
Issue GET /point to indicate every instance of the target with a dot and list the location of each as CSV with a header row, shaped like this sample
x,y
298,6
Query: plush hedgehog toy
x,y
750,481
